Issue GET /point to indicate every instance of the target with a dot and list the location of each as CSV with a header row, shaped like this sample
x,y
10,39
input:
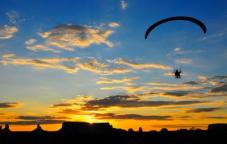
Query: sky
x,y
88,60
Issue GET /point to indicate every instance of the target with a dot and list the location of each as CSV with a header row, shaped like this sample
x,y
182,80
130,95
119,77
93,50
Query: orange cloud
x,y
140,66
91,65
69,37
7,32
116,81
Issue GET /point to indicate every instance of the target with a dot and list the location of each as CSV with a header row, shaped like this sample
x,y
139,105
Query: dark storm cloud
x,y
131,116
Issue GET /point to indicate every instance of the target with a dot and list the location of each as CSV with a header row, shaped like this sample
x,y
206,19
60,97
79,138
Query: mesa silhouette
x,y
82,132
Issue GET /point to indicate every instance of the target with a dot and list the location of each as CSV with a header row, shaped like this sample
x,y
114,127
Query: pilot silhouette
x,y
177,73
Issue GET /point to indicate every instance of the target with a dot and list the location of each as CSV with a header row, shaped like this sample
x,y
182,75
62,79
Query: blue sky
x,y
56,51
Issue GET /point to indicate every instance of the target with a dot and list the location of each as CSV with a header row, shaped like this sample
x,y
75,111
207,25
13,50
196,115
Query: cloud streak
x,y
69,65
9,105
123,4
201,110
129,101
116,81
7,32
131,116
139,66
184,61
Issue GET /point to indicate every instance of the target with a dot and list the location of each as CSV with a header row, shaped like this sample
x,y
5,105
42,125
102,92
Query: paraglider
x,y
184,18
177,72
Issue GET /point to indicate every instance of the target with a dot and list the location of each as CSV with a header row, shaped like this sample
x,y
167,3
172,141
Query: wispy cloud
x,y
113,24
183,61
140,66
216,117
68,64
131,116
100,68
7,32
44,63
31,45
191,83
123,4
177,50
129,88
13,16
214,36
116,81
174,87
208,109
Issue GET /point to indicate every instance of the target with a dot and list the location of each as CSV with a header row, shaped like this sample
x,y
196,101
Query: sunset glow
x,y
88,60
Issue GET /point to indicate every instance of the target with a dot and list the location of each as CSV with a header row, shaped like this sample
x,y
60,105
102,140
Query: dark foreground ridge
x,y
104,133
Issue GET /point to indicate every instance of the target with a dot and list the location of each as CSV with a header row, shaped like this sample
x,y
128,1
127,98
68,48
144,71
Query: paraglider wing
x,y
185,18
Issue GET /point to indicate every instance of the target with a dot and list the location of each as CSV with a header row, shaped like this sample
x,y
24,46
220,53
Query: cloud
x,y
177,50
68,64
8,55
127,101
214,36
202,79
9,105
174,87
113,24
171,74
32,122
200,110
177,93
116,81
180,51
71,111
131,116
184,61
30,44
62,105
13,16
130,88
101,68
7,32
222,88
134,65
216,84
219,77
216,117
191,83
123,4
43,63
38,118
69,37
